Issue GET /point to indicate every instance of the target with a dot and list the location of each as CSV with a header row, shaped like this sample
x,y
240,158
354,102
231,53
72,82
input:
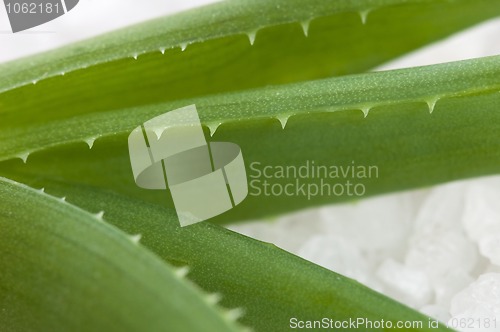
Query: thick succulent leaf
x,y
410,146
270,286
64,269
102,74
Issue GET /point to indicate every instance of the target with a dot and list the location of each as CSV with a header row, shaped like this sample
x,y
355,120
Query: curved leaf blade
x,y
269,284
410,147
63,269
220,58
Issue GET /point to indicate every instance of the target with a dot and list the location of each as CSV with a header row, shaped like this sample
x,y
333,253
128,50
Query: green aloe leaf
x,y
410,146
268,285
102,75
345,36
64,269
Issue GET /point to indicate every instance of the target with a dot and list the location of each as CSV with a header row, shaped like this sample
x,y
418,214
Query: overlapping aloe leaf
x,y
64,269
344,19
410,146
269,285
101,74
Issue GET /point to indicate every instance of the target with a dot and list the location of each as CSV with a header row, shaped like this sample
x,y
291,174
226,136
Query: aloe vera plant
x,y
285,81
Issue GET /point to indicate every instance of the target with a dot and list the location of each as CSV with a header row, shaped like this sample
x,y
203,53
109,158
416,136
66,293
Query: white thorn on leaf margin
x,y
235,314
136,238
182,271
305,27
